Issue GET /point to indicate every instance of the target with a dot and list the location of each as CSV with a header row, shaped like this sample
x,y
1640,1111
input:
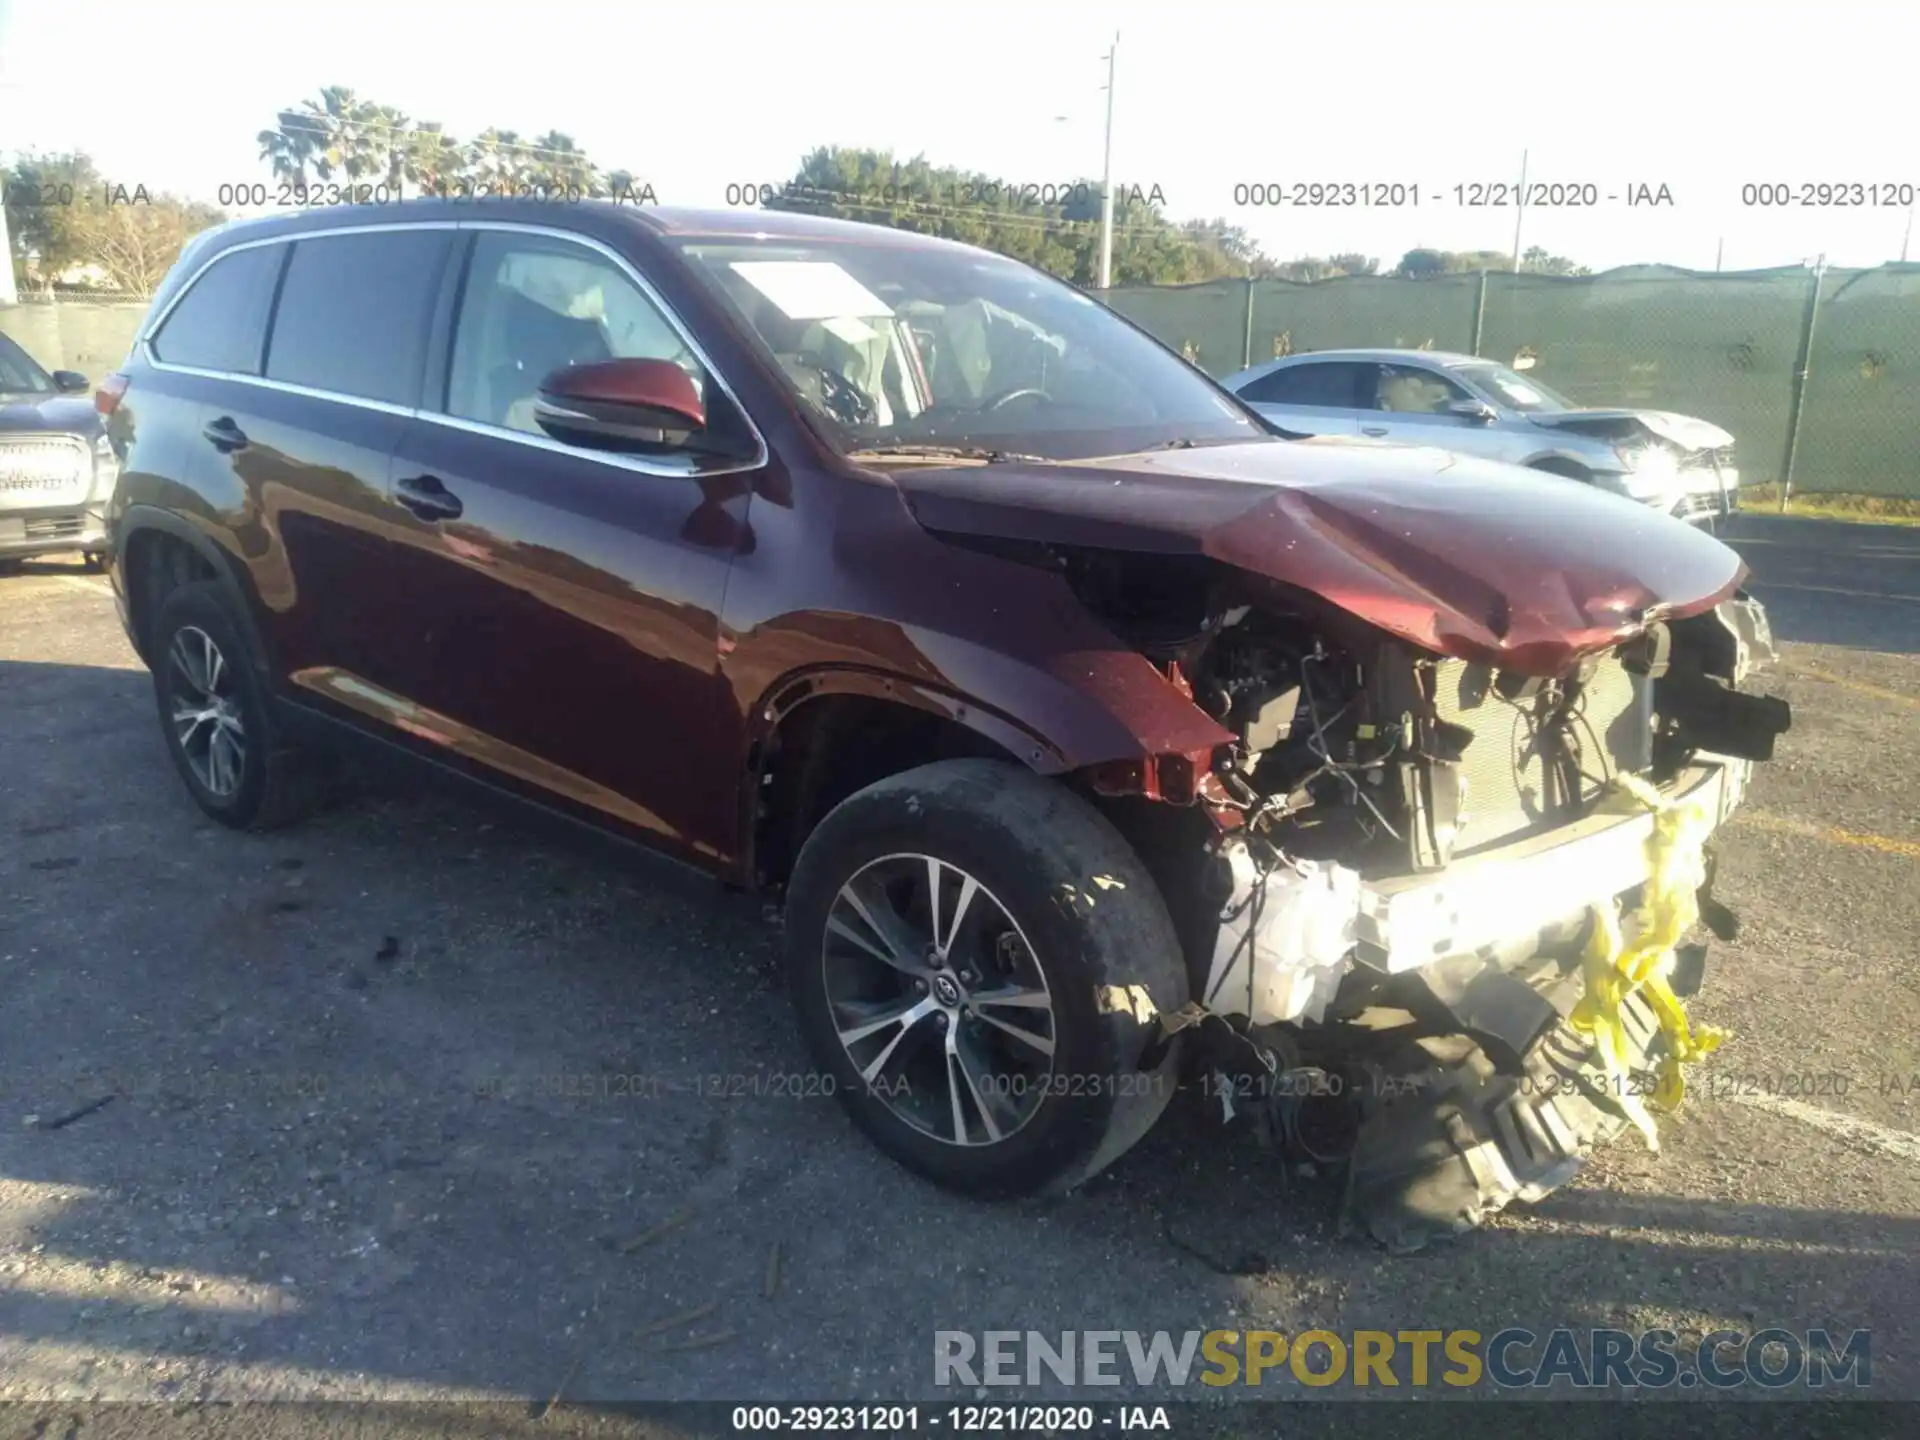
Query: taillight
x,y
106,399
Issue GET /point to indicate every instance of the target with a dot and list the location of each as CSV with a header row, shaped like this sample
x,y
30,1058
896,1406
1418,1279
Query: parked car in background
x,y
56,467
1477,406
1061,701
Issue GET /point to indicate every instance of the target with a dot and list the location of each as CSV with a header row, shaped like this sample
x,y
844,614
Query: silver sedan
x,y
1480,407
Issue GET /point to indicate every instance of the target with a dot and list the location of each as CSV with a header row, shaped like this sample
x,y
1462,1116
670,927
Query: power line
x,y
937,209
314,125
847,199
843,199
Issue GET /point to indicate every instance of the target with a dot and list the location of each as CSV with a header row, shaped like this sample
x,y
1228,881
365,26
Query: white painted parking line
x,y
1901,1144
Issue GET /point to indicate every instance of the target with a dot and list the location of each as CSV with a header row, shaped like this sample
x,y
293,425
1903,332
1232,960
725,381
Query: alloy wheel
x,y
206,717
938,999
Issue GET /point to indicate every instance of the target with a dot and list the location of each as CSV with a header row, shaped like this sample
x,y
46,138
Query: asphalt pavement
x,y
412,1103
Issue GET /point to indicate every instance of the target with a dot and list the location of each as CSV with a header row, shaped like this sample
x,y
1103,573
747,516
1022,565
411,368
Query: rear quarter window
x,y
1334,383
354,313
221,321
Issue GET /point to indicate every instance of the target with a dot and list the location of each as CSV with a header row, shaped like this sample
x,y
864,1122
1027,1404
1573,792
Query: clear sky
x,y
1697,95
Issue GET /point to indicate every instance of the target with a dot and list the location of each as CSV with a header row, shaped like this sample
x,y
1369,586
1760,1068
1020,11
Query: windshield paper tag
x,y
811,289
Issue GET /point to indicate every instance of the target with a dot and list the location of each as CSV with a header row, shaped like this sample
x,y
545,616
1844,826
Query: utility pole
x,y
1908,237
1719,253
1106,179
8,296
1520,211
1802,364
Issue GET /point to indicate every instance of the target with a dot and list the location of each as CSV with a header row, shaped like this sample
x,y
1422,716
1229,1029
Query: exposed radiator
x,y
1504,766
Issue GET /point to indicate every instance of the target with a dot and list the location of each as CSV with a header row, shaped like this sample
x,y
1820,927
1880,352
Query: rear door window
x,y
220,323
354,313
1327,384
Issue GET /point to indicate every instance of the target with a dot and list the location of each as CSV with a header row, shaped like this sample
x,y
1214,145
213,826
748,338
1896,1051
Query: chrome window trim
x,y
683,467
148,330
285,387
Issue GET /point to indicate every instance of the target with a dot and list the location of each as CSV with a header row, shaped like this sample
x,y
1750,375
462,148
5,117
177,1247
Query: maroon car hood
x,y
1471,558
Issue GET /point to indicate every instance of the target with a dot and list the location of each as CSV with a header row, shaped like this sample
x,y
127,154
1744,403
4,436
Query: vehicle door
x,y
297,427
1410,405
1313,397
560,604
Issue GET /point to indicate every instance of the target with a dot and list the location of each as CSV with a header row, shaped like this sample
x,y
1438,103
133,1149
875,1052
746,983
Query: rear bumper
x,y
50,530
1506,894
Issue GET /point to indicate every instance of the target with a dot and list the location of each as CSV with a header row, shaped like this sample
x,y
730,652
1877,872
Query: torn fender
x,y
1466,557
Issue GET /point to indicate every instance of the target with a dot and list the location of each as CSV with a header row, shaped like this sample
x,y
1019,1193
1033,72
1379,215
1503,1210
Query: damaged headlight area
x,y
1425,879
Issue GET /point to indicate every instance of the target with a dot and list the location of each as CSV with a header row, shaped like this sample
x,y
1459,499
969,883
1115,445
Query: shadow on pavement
x,y
394,1099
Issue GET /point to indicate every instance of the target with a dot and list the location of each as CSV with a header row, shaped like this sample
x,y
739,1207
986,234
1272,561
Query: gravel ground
x,y
394,1094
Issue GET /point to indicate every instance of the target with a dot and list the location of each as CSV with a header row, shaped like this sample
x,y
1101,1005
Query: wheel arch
x,y
819,735
1559,462
157,551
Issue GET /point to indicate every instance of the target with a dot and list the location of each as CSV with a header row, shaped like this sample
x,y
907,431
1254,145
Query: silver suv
x,y
1479,407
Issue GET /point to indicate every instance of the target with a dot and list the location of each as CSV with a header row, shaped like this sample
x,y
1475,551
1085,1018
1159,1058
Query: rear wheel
x,y
979,962
236,764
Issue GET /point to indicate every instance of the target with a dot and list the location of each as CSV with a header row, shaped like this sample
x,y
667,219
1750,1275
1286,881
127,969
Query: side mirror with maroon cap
x,y
628,405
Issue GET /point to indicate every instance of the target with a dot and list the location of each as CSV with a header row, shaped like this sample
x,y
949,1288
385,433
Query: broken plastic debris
x,y
1126,1000
1223,1087
1285,939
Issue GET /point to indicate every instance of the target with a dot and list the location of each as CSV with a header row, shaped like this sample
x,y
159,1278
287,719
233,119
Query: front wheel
x,y
979,962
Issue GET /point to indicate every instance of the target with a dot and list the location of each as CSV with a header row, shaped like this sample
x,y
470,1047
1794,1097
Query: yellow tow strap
x,y
1615,970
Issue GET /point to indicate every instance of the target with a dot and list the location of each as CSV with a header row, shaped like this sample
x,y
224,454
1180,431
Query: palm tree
x,y
287,148
380,145
497,158
559,165
430,158
319,136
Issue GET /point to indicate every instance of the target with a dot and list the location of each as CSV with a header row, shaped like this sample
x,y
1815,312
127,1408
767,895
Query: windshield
x,y
19,375
1513,390
896,346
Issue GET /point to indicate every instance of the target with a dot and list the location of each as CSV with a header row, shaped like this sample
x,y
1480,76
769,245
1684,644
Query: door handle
x,y
224,435
1373,429
426,497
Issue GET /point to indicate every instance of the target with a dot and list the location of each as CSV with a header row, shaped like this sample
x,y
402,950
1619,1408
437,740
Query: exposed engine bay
x,y
1413,861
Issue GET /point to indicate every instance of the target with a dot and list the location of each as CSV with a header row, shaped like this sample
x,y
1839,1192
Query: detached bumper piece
x,y
1443,1147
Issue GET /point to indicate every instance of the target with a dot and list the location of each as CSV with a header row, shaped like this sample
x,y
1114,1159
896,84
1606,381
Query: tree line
x,y
340,138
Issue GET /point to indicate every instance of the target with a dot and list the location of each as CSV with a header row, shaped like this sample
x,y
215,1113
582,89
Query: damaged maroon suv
x,y
1096,734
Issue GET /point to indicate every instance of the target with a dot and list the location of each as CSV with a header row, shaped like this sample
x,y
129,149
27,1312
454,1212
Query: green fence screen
x,y
1724,347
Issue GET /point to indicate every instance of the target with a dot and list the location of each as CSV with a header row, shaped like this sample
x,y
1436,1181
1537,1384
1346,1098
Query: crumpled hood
x,y
1682,430
1466,557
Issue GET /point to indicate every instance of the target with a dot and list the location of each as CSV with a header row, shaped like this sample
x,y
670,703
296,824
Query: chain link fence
x,y
1730,348
71,330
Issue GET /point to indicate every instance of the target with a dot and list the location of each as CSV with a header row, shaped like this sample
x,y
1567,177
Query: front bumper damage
x,y
1420,1029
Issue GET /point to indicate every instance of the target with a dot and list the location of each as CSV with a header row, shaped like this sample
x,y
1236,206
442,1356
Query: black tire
x,y
277,782
1094,924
